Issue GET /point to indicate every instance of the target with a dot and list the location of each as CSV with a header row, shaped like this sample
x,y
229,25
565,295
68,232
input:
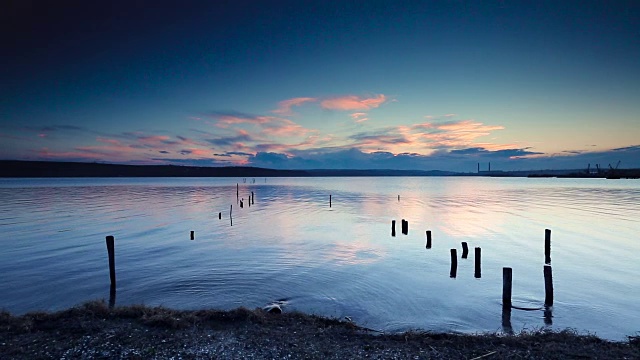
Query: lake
x,y
334,261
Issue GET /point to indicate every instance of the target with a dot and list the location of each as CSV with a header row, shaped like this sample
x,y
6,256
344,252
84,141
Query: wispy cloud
x,y
359,117
353,102
284,107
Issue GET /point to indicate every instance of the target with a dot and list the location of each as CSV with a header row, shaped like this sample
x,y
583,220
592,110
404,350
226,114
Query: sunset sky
x,y
323,84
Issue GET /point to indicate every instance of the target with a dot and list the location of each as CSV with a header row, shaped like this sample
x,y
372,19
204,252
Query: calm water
x,y
338,261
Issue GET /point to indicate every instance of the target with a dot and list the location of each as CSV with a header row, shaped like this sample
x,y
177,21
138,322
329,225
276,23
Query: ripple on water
x,y
336,261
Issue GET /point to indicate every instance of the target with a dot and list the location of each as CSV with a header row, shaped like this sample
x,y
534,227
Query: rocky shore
x,y
94,331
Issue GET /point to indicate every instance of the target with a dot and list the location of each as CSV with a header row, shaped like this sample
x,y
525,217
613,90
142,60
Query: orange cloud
x,y
353,102
426,138
284,107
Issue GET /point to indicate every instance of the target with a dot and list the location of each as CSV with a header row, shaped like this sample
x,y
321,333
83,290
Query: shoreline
x,y
93,330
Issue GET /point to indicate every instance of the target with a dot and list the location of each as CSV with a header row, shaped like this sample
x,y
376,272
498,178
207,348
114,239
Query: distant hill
x,y
347,172
10,168
15,168
31,169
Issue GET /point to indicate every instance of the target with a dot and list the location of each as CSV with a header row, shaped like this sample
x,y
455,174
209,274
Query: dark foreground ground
x,y
93,331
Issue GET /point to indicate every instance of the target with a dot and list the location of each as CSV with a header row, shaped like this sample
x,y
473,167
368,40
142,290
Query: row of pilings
x,y
507,272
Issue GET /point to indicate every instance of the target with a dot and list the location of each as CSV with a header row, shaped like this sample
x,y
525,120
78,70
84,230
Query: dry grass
x,y
161,332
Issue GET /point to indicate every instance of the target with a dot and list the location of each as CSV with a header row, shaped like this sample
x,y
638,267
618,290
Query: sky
x,y
424,85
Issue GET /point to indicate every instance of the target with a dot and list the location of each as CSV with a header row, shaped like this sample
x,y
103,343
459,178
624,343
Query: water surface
x,y
333,261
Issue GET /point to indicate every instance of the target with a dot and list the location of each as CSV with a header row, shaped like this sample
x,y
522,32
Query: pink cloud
x,y
284,107
353,102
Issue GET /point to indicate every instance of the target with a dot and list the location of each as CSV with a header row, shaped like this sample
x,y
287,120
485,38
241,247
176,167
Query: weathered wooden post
x,y
237,190
249,202
428,239
398,197
393,228
220,215
242,203
193,236
253,198
405,227
548,286
329,200
507,278
547,246
112,261
478,272
465,250
230,212
454,263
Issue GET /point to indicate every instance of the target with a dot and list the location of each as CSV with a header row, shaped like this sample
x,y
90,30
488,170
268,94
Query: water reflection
x,y
506,320
290,244
112,296
548,316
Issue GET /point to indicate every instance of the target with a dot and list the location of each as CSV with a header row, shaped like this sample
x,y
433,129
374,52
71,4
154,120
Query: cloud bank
x,y
279,139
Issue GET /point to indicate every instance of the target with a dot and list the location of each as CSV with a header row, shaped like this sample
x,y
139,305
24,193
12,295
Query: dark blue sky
x,y
354,84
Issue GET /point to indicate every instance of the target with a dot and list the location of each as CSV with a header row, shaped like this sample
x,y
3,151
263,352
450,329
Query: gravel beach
x,y
94,331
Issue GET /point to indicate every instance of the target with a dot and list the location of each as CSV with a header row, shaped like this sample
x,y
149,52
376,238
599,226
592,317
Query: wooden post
x,y
478,272
112,260
193,236
405,227
548,286
241,203
393,228
249,202
230,212
237,190
329,200
220,215
398,197
428,239
454,263
253,198
507,284
465,250
547,246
